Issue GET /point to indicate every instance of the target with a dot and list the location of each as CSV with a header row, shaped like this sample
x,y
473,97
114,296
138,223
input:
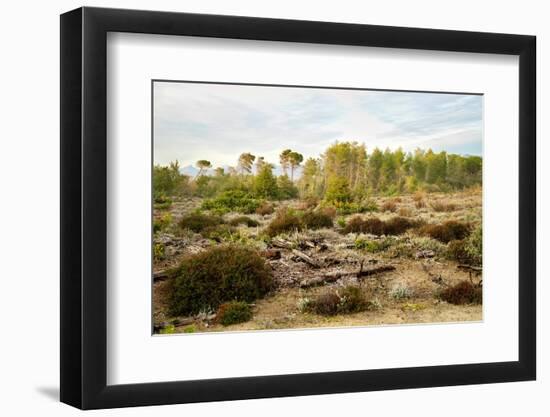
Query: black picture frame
x,y
84,207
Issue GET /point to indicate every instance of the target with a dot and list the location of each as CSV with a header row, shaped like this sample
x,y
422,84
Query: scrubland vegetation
x,y
349,238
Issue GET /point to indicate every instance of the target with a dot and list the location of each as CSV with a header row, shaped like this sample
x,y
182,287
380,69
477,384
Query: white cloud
x,y
218,122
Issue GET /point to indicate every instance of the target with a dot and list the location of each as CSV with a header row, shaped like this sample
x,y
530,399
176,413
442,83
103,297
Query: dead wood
x,y
280,243
336,275
465,267
160,276
324,279
374,270
307,259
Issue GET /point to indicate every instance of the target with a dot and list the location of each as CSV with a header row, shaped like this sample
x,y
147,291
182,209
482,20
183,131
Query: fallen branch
x,y
477,269
335,276
307,259
160,276
280,243
324,279
375,270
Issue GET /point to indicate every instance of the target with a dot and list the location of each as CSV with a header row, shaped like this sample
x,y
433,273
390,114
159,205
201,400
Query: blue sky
x,y
219,122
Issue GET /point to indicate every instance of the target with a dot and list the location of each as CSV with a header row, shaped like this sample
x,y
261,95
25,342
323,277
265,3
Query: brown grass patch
x,y
443,206
447,231
462,293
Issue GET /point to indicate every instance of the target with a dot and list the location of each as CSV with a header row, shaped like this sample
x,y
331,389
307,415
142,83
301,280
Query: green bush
x,y
220,274
244,220
161,201
159,251
233,200
285,221
352,300
218,233
265,208
372,246
317,219
233,312
447,231
462,293
456,250
197,222
474,246
162,222
401,291
286,188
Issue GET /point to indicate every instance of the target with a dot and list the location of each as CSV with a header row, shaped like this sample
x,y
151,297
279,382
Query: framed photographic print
x,y
259,207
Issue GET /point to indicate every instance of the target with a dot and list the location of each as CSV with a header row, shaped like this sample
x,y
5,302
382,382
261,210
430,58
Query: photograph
x,y
292,207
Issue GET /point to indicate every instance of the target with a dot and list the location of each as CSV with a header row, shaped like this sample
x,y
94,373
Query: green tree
x,y
338,190
287,189
265,184
284,160
168,181
294,160
245,162
202,164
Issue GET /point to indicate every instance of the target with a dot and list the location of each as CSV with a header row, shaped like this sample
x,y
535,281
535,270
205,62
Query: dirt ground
x,y
420,268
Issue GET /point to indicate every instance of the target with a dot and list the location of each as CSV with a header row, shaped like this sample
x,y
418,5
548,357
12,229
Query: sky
x,y
218,122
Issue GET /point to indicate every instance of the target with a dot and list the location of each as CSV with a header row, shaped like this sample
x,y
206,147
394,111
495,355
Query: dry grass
x,y
280,309
390,205
443,206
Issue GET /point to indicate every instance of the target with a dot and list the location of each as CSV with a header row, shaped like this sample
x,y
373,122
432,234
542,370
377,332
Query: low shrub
x,y
447,231
420,204
285,221
161,201
159,251
405,212
372,246
233,200
474,246
265,208
329,211
347,300
419,196
352,300
462,293
350,207
244,220
233,312
162,222
317,219
168,329
374,226
190,329
442,206
308,203
389,205
219,233
197,222
325,304
401,291
456,250
398,225
220,274
371,225
341,222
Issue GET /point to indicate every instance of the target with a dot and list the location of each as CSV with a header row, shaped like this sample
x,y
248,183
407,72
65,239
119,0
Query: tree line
x,y
345,172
